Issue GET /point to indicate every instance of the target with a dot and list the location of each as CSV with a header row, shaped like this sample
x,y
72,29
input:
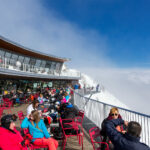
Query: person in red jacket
x,y
10,138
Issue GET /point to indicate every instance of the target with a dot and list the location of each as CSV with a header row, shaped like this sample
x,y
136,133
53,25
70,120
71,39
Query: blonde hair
x,y
112,110
36,118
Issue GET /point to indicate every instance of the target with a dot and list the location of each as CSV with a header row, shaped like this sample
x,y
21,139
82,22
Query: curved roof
x,y
15,47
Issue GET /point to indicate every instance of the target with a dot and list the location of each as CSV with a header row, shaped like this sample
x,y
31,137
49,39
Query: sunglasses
x,y
114,114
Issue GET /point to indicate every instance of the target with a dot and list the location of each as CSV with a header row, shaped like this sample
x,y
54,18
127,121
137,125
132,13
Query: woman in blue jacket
x,y
38,130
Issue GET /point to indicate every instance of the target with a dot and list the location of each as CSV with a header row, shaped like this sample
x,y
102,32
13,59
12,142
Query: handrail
x,y
115,106
97,111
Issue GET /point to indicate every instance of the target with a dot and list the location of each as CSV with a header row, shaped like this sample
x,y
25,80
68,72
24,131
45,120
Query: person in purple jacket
x,y
128,141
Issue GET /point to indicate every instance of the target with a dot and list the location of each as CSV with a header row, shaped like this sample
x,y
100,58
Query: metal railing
x,y
97,111
12,64
87,91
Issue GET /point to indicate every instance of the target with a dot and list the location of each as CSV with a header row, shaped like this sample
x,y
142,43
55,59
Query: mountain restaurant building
x,y
21,67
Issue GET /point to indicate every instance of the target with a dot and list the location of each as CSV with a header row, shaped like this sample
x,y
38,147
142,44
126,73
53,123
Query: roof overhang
x,y
12,46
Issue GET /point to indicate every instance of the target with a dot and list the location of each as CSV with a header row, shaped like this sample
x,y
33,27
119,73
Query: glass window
x,y
2,53
46,69
12,62
48,64
7,54
14,56
43,64
26,60
38,63
32,61
57,66
53,66
21,58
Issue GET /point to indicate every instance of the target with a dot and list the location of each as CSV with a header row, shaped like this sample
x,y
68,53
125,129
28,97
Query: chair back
x,y
1,111
95,133
21,116
61,123
81,113
78,120
97,138
80,117
70,125
6,99
7,105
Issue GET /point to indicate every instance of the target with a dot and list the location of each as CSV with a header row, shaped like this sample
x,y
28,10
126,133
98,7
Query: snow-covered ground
x,y
86,81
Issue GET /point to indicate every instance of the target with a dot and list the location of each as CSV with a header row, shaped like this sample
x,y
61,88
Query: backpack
x,y
57,133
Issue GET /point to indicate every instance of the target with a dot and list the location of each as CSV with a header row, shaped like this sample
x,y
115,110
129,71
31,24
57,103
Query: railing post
x,y
105,111
5,63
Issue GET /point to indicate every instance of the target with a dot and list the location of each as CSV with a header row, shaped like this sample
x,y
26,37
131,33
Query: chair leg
x,y
82,142
64,144
79,139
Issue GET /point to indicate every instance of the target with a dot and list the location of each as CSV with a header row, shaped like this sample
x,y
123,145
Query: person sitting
x,y
63,100
114,114
69,112
32,107
10,138
128,141
41,99
38,130
67,96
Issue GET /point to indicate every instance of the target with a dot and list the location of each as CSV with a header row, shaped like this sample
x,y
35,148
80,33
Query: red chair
x,y
72,126
28,138
21,116
95,136
79,118
7,104
81,115
1,111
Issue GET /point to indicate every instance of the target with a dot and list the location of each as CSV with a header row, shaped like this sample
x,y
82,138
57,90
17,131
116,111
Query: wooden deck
x,y
72,143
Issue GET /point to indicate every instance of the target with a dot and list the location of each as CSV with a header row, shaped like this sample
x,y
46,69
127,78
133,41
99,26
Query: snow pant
x,y
50,142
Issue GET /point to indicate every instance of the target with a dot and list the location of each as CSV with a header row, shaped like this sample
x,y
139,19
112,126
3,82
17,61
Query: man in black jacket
x,y
127,141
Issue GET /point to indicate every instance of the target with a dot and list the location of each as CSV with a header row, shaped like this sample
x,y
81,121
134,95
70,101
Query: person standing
x,y
97,88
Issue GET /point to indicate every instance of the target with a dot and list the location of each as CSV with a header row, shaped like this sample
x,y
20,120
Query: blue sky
x,y
109,32
125,23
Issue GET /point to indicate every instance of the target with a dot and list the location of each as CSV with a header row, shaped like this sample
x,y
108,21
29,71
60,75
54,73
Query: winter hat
x,y
6,121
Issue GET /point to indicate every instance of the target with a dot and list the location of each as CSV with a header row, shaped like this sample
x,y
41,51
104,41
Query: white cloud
x,y
131,86
30,24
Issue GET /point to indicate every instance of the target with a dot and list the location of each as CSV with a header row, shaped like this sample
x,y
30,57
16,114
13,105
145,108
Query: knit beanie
x,y
6,121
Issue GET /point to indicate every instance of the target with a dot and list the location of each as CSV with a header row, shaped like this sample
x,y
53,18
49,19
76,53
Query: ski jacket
x,y
10,140
123,141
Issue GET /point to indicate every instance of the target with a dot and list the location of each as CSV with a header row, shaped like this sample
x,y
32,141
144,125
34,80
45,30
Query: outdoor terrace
x,y
72,143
